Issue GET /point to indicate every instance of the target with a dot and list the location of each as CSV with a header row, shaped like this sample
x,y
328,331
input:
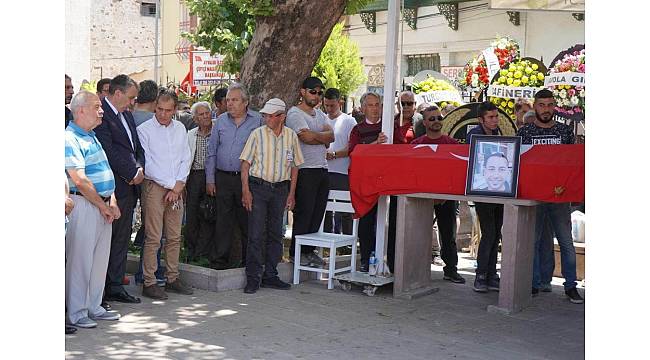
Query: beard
x,y
311,103
544,120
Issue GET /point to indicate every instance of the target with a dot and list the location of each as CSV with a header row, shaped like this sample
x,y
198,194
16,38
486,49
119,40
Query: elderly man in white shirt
x,y
167,165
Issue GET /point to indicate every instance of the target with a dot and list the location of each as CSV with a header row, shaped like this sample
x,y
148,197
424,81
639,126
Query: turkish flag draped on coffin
x,y
549,173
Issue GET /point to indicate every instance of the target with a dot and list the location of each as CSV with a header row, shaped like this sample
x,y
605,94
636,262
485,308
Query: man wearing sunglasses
x,y
445,212
312,190
407,119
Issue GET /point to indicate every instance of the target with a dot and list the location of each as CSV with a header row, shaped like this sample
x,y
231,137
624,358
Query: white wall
x,y
77,40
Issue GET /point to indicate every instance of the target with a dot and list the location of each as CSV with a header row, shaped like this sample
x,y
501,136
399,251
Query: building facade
x,y
441,37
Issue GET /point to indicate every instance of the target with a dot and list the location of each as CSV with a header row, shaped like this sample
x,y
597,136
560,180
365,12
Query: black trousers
x,y
312,190
265,230
490,217
198,232
122,229
446,217
339,223
368,233
230,214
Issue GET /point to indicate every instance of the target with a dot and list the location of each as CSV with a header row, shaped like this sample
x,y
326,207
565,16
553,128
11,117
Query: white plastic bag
x,y
578,226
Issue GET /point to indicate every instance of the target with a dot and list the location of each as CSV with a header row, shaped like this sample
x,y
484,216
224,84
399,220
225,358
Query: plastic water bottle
x,y
372,264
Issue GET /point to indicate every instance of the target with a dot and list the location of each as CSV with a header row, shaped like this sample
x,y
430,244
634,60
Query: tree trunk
x,y
285,48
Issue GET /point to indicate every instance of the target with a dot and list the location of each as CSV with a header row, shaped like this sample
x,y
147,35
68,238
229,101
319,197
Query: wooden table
x,y
413,248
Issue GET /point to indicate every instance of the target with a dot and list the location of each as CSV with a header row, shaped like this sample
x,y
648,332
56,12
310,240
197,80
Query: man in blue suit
x,y
120,141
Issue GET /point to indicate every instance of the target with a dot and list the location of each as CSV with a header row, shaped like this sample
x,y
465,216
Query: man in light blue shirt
x,y
222,173
88,239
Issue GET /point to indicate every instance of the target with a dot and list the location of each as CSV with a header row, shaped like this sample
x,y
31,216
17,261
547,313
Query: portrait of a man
x,y
493,166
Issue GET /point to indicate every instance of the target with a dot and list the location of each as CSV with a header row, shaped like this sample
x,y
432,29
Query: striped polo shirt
x,y
83,151
271,157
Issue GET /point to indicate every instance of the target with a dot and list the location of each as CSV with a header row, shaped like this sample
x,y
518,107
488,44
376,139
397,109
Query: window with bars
x,y
148,9
417,63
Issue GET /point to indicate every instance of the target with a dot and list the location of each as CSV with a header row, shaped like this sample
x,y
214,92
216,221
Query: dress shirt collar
x,y
270,131
249,114
76,128
112,107
159,125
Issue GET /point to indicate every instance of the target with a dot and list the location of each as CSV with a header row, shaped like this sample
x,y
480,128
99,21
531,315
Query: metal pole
x,y
155,66
388,113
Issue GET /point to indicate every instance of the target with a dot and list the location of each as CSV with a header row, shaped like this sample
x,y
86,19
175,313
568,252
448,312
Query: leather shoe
x,y
106,305
251,287
123,297
275,283
70,330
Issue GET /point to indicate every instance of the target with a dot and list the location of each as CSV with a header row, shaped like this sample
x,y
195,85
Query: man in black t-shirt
x,y
546,131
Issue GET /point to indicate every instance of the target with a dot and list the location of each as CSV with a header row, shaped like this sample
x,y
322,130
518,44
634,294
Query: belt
x,y
231,173
275,185
104,198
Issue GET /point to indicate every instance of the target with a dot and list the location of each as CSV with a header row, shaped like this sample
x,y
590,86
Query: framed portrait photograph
x,y
493,166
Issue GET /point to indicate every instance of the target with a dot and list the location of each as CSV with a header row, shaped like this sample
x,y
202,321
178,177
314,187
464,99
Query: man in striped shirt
x,y
269,173
88,239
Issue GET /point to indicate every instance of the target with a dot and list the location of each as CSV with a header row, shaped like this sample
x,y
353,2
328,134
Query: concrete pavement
x,y
309,322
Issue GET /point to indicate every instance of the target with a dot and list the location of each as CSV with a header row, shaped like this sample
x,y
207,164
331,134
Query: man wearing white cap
x,y
269,173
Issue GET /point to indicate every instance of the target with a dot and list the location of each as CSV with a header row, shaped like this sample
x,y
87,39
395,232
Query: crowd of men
x,y
233,173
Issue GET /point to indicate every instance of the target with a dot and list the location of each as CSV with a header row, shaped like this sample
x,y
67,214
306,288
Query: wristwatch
x,y
334,154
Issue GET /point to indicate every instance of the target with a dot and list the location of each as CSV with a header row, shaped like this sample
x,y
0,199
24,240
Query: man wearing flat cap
x,y
315,134
269,174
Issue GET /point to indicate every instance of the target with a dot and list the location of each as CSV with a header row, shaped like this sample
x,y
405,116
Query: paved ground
x,y
310,321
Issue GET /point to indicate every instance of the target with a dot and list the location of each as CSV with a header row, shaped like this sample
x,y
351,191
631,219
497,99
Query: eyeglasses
x,y
407,103
314,92
434,118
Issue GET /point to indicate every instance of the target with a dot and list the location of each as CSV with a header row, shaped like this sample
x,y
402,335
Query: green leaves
x,y
339,64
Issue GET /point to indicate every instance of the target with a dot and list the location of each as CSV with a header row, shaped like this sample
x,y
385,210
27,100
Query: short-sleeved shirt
x,y
342,127
272,157
444,139
315,155
555,135
84,151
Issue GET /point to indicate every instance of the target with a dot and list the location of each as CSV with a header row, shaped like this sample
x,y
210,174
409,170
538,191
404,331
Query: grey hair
x,y
80,100
241,88
196,105
409,93
369,93
529,113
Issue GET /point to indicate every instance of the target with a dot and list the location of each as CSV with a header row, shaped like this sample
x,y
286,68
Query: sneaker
x,y
251,287
107,315
480,283
574,296
311,259
493,283
535,292
154,292
179,287
546,288
275,283
85,323
454,277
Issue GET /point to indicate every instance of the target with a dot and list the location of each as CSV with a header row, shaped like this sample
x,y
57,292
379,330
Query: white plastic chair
x,y
338,201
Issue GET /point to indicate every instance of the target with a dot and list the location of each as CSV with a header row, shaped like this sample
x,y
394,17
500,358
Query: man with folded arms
x,y
88,238
269,172
167,165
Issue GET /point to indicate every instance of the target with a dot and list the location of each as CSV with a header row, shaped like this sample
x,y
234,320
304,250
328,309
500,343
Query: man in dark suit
x,y
119,139
69,91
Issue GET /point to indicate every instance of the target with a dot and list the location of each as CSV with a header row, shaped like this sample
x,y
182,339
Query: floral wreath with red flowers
x,y
475,75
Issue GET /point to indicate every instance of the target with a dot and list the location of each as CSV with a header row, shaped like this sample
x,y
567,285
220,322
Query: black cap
x,y
312,83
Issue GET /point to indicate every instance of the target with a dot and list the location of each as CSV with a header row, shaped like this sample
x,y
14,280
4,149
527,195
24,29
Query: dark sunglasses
x,y
408,103
314,92
434,118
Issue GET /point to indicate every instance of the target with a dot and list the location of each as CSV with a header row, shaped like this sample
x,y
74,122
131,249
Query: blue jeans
x,y
558,217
